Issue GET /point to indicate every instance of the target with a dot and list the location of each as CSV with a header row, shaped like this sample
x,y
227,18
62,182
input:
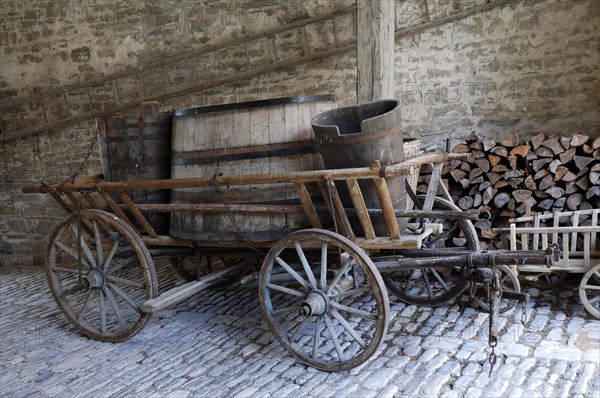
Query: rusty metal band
x,y
356,139
243,153
140,137
255,104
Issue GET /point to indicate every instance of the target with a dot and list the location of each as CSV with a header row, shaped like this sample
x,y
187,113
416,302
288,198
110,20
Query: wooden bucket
x,y
138,147
355,136
258,137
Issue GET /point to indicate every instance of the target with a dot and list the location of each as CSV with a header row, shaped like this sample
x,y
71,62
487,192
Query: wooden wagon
x,y
577,234
322,289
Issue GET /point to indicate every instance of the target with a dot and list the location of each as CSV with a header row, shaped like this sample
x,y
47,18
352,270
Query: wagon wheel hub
x,y
316,303
94,278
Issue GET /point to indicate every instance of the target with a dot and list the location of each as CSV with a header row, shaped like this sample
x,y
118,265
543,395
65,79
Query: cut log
x,y
582,161
494,160
465,203
584,183
508,213
596,143
513,174
541,194
477,200
537,140
474,173
553,145
539,163
559,204
554,165
483,164
465,182
521,150
461,148
531,156
595,174
574,200
560,172
545,204
477,145
567,155
455,164
592,192
488,144
588,150
511,204
477,154
500,151
530,183
465,166
477,180
544,152
493,177
555,192
525,207
570,188
501,199
521,195
511,140
512,161
569,176
579,139
515,182
458,174
546,182
541,174
501,184
499,168
488,195
596,154
565,142
484,185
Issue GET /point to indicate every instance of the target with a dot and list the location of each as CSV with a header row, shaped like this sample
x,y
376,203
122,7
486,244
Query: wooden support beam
x,y
375,49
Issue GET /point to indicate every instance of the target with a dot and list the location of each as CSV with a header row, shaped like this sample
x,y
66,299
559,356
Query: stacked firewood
x,y
512,178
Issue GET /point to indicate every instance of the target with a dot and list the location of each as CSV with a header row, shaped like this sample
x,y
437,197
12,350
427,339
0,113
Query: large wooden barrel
x,y
355,136
258,137
138,147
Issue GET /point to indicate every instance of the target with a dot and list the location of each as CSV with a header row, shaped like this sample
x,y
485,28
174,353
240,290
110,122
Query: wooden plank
x,y
361,208
183,292
137,213
436,176
375,50
308,205
117,210
345,227
386,206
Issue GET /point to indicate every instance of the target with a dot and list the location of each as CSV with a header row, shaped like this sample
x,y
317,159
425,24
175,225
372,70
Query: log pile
x,y
513,178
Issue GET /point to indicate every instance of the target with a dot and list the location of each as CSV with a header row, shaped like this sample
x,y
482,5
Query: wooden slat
x,y
436,176
361,208
346,228
117,210
308,205
386,206
137,213
60,201
574,223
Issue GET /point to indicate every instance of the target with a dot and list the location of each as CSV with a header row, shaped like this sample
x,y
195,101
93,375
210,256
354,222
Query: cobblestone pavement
x,y
218,345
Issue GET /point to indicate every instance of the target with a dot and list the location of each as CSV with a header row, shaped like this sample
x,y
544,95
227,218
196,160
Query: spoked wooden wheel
x,y
589,291
508,282
324,300
103,294
436,286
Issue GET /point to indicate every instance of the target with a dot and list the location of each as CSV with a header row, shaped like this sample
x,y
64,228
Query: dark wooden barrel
x,y
138,147
355,136
258,137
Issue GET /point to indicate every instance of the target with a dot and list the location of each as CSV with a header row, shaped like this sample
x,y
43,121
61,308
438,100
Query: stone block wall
x,y
526,67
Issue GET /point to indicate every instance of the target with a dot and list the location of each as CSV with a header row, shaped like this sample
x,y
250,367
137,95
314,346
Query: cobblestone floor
x,y
218,345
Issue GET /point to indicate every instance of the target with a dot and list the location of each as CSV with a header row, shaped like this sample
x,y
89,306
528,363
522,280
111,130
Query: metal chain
x,y
221,194
492,359
79,169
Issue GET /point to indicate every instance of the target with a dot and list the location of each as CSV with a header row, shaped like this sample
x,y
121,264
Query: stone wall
x,y
527,67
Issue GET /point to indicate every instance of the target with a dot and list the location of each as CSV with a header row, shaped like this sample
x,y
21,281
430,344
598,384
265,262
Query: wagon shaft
x,y
476,259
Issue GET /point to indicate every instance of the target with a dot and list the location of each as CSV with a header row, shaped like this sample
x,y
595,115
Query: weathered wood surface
x,y
375,49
